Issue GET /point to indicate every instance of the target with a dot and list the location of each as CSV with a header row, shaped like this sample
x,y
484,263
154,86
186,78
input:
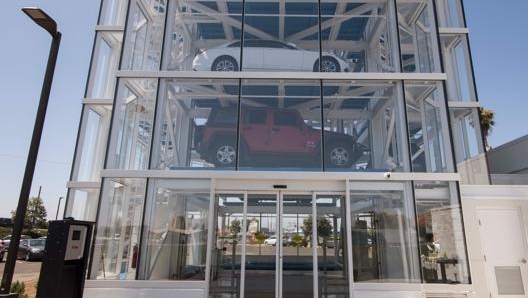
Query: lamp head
x,y
42,19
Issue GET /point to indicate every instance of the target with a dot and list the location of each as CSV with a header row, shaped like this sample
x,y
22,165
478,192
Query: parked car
x,y
261,54
272,134
7,239
272,240
2,252
31,249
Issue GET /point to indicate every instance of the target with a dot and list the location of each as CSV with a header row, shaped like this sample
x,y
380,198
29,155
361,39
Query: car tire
x,y
225,63
223,153
339,155
27,257
329,64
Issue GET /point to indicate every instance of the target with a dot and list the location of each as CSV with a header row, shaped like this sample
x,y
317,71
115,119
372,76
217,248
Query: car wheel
x,y
329,64
339,156
224,154
27,257
225,63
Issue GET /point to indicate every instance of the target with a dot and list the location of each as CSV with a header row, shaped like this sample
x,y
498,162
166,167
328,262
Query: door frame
x,y
279,254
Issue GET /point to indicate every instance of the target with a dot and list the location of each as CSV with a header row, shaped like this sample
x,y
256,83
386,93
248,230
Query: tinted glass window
x,y
38,242
223,116
255,117
274,44
285,118
254,43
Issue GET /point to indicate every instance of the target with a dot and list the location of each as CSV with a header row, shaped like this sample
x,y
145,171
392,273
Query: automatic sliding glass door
x,y
245,257
296,252
262,242
331,246
226,257
279,245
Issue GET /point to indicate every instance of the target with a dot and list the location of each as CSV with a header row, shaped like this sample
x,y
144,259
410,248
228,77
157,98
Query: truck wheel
x,y
224,153
339,156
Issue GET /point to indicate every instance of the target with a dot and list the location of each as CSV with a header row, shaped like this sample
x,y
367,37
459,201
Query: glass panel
x,y
93,137
113,12
81,204
332,248
416,24
203,35
132,124
104,64
466,128
469,148
261,259
383,237
361,127
175,236
357,35
118,228
144,35
427,127
282,36
460,86
197,126
281,125
297,260
450,13
227,254
442,241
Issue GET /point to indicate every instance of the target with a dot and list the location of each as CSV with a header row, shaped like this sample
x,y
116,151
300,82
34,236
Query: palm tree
x,y
486,124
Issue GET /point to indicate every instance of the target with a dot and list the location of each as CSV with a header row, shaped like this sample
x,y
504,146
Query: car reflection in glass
x,y
31,249
266,55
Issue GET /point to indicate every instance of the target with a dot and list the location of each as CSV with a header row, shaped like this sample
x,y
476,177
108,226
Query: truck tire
x,y
223,153
339,155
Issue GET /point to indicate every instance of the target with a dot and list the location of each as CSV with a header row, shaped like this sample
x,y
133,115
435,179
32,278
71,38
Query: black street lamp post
x,y
58,207
46,22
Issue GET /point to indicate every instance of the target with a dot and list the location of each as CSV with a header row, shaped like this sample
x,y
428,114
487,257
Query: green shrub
x,y
20,289
35,233
4,231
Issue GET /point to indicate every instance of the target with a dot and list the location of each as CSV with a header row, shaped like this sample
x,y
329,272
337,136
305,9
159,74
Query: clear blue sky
x,y
498,41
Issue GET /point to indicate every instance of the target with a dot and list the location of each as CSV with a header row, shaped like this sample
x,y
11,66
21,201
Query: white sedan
x,y
272,240
266,55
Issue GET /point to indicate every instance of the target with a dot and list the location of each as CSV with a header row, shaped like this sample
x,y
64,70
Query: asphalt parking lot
x,y
24,271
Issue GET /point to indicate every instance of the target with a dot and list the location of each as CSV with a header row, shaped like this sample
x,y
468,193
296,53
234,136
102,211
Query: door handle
x,y
523,260
275,129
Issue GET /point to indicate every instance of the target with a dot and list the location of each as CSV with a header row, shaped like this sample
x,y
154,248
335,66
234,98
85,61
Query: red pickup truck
x,y
268,135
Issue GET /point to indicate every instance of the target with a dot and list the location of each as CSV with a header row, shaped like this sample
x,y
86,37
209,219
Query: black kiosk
x,y
63,268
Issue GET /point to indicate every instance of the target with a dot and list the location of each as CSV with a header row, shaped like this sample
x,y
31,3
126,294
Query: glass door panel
x,y
262,240
331,246
226,257
297,260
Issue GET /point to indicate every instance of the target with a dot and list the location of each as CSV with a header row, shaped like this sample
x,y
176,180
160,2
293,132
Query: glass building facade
x,y
257,148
